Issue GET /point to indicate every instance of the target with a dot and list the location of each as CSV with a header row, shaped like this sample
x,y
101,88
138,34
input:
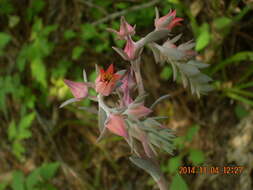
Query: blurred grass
x,y
42,42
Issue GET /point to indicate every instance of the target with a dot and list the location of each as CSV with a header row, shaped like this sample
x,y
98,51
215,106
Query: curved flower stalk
x,y
129,116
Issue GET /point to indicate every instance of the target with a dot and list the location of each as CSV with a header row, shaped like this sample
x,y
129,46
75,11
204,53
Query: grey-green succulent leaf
x,y
148,166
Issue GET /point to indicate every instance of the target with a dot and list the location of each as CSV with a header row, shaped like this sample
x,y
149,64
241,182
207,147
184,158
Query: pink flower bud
x,y
130,49
133,50
125,29
105,82
78,89
116,125
168,21
138,111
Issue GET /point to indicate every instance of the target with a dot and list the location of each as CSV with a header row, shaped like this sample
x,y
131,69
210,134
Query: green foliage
x,y
6,7
204,37
196,156
60,70
238,93
13,21
191,132
36,51
174,164
88,32
69,34
39,71
34,9
6,86
77,52
19,132
222,22
18,181
178,183
3,185
48,171
38,179
240,111
240,98
166,73
238,57
4,40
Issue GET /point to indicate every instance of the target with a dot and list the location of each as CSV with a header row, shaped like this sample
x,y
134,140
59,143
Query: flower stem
x,y
162,184
103,105
136,67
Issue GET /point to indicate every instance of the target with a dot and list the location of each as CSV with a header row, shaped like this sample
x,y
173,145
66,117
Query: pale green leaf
x,y
88,31
191,132
3,185
24,134
240,98
12,131
178,183
240,56
77,52
196,156
69,34
13,21
48,29
6,7
35,8
174,164
48,170
18,149
166,73
39,71
33,179
222,22
26,121
240,111
203,38
18,181
4,39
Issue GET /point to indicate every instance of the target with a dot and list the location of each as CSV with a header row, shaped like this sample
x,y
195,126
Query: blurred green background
x,y
44,147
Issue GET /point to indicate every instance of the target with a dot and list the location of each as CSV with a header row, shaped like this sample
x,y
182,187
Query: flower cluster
x,y
129,117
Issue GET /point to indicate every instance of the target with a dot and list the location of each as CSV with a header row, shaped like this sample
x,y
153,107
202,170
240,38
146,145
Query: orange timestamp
x,y
211,169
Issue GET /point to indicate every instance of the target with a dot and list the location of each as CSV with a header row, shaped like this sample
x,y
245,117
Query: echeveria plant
x,y
129,117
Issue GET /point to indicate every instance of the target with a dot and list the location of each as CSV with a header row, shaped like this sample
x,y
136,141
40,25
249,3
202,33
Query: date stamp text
x,y
211,170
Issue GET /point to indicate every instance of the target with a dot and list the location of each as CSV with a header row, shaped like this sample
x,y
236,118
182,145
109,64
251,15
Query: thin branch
x,y
162,184
136,67
159,100
124,12
90,4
